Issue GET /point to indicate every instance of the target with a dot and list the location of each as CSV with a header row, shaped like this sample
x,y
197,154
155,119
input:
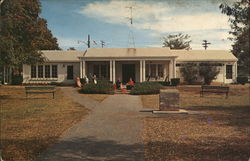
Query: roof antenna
x,y
205,43
131,39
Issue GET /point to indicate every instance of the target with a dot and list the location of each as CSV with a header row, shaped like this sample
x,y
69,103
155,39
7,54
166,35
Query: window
x,y
160,70
47,71
96,71
103,71
33,71
40,71
70,73
153,70
54,71
229,72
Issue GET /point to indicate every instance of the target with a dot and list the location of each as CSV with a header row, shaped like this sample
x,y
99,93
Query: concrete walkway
x,y
112,131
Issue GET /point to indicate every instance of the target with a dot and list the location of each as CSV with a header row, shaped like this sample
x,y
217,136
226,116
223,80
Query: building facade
x,y
140,64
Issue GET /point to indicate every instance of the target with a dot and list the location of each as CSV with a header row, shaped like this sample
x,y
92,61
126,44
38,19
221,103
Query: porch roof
x,y
62,56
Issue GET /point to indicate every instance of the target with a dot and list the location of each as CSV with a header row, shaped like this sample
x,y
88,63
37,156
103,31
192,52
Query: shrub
x,y
17,79
56,83
146,88
190,72
208,73
175,81
242,80
163,83
102,87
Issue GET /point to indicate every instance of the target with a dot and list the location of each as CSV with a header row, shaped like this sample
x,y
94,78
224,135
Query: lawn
x,y
30,126
221,134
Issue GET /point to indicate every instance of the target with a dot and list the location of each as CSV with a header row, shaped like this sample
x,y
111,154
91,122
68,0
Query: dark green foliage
x,y
190,72
240,24
102,87
175,81
242,80
23,33
177,41
163,83
17,79
208,73
56,83
146,88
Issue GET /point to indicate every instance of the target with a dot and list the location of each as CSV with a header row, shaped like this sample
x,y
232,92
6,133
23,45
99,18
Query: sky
x,y
72,20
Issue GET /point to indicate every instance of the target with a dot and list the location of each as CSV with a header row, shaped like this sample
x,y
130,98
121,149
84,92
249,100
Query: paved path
x,y
112,131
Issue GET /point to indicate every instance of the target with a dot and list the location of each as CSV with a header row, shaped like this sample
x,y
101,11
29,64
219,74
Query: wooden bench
x,y
214,89
40,89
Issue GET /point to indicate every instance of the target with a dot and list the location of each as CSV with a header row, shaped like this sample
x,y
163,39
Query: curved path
x,y
112,131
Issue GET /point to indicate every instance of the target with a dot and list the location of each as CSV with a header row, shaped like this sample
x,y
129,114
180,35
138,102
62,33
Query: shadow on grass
x,y
92,149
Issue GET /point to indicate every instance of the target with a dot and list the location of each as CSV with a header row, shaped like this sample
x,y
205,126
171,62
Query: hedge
x,y
242,80
102,87
146,88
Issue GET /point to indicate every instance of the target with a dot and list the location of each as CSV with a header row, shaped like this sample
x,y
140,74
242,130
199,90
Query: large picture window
x,y
40,71
154,70
229,71
100,70
33,71
47,71
54,71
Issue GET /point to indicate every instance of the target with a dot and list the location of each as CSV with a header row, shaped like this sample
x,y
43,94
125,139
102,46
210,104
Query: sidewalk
x,y
112,131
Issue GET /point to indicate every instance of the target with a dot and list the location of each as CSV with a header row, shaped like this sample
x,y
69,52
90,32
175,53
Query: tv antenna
x,y
88,42
205,44
131,39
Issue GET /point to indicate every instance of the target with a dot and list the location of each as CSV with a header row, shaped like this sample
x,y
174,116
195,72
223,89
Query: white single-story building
x,y
140,64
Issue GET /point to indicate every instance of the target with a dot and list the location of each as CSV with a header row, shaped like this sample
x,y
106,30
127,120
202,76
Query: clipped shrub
x,y
102,87
175,81
163,83
55,83
242,80
146,88
208,73
17,80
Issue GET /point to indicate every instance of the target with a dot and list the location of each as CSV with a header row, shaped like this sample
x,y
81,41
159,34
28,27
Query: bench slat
x,y
40,88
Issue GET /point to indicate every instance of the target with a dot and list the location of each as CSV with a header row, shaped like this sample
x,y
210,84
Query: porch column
x,y
81,76
83,68
174,68
110,71
113,71
143,70
235,71
170,69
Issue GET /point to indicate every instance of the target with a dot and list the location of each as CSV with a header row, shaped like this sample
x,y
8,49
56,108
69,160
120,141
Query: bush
x,y
208,73
175,81
56,83
242,80
190,72
17,79
146,88
163,83
102,87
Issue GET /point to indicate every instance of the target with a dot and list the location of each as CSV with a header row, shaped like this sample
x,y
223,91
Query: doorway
x,y
128,71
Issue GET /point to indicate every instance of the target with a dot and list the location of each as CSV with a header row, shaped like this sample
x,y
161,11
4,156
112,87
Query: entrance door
x,y
70,72
128,71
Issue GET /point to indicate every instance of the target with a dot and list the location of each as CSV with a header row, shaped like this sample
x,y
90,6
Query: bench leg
x,y
53,95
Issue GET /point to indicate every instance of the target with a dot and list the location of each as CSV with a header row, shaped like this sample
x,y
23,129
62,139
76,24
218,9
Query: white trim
x,y
143,70
141,75
83,68
110,70
81,76
113,71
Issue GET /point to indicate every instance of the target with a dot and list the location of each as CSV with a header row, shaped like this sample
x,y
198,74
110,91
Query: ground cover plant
x,y
222,133
30,126
146,88
102,87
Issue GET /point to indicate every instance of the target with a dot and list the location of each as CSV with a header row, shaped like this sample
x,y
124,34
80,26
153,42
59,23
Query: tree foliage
x,y
177,41
208,73
23,33
190,72
239,18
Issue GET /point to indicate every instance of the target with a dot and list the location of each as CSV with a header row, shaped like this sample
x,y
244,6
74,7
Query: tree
x,y
239,18
208,73
190,72
177,41
23,33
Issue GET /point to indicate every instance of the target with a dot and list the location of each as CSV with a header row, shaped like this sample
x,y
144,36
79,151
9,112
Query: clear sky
x,y
108,20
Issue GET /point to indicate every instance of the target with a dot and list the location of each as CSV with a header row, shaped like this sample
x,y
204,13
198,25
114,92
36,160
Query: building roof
x,y
128,52
204,55
62,56
107,53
